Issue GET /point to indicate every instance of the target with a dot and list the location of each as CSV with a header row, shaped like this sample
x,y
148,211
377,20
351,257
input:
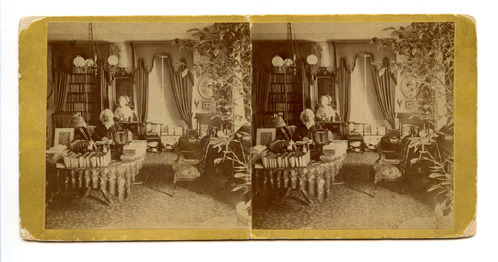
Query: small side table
x,y
353,139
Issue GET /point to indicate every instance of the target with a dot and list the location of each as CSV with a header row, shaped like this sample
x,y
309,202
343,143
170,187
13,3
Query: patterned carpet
x,y
151,205
352,205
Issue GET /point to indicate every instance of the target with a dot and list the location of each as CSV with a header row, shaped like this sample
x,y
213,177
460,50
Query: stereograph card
x,y
315,92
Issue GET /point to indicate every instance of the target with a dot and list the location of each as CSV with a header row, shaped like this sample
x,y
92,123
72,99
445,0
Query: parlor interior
x,y
294,65
90,66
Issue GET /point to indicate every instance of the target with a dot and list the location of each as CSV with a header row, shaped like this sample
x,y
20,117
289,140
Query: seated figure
x,y
306,132
307,128
123,111
105,129
325,112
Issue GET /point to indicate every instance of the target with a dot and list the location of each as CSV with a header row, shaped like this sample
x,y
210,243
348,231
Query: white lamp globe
x,y
113,60
288,62
277,61
312,59
89,63
79,61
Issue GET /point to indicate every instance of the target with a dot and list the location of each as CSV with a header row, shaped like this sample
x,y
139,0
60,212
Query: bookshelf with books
x,y
83,95
285,97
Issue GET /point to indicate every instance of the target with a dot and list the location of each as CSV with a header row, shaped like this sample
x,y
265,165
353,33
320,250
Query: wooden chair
x,y
355,137
153,137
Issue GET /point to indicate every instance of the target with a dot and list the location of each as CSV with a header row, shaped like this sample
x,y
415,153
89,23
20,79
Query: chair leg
x,y
199,186
174,186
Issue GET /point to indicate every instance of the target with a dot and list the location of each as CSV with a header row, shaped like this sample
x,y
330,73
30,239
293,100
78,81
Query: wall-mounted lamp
x,y
277,61
312,59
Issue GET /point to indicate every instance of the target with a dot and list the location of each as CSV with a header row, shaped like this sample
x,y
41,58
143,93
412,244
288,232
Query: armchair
x,y
393,161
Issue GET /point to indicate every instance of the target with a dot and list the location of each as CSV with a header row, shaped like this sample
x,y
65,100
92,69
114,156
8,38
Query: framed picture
x,y
326,87
122,86
206,105
409,104
264,136
63,136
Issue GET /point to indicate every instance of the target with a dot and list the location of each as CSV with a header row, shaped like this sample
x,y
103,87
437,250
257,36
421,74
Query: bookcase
x,y
285,97
83,95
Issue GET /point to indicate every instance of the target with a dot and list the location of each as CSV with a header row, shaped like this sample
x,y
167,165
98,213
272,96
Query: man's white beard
x,y
108,123
309,123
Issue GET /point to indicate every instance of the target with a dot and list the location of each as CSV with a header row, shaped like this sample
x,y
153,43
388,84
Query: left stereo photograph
x,y
147,128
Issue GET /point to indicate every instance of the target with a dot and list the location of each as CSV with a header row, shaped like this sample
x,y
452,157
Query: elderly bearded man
x,y
104,130
306,132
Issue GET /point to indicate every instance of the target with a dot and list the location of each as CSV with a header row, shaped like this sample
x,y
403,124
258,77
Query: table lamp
x,y
275,121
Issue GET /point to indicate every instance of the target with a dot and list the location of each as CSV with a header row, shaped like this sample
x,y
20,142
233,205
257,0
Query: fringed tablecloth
x,y
115,178
314,179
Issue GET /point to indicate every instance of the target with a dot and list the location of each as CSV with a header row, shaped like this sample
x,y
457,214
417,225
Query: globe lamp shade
x,y
277,61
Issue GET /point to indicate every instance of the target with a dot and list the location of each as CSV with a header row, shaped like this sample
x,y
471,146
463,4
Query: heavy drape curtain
x,y
104,89
61,86
142,82
305,84
182,90
260,93
385,89
344,81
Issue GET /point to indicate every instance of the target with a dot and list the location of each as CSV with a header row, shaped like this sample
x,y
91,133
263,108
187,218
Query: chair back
x,y
404,153
153,129
61,119
355,129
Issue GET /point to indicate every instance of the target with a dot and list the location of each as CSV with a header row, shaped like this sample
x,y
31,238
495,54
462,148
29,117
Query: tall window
x,y
162,105
364,105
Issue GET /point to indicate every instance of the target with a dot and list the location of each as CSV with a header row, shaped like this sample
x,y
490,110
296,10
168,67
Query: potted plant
x,y
224,52
425,51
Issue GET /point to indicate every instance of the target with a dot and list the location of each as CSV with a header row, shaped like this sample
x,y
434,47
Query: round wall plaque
x,y
409,87
206,88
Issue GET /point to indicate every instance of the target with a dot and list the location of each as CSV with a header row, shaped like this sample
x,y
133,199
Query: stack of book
x,y
88,159
287,159
134,150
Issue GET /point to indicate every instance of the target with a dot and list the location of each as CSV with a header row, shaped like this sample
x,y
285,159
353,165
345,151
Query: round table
x,y
114,179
